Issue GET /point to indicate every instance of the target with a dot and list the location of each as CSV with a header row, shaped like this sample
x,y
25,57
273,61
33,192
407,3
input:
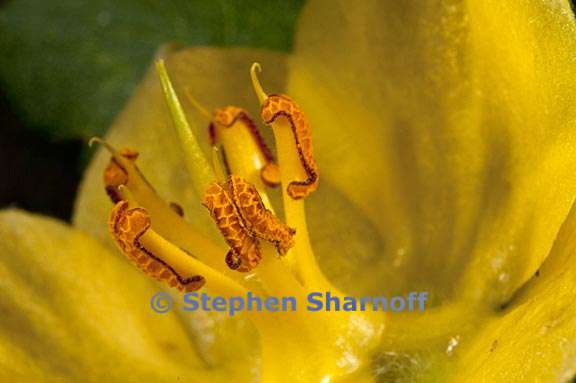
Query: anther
x,y
281,106
243,220
245,253
259,220
127,226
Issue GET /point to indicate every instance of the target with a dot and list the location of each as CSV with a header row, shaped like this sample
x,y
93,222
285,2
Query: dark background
x,y
67,67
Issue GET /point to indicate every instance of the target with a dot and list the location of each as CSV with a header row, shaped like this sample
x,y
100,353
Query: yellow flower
x,y
443,134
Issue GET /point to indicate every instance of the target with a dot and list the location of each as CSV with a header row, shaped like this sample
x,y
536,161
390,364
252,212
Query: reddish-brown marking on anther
x,y
115,174
243,220
118,173
127,225
226,117
259,220
244,254
281,105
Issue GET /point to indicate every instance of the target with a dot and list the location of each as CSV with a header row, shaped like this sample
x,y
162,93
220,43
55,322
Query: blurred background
x,y
67,67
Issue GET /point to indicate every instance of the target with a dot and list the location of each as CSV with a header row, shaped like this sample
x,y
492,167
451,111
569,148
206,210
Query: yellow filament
x,y
242,153
326,336
275,274
290,169
294,210
200,171
186,265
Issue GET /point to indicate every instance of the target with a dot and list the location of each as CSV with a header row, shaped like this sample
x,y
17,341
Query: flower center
x,y
319,346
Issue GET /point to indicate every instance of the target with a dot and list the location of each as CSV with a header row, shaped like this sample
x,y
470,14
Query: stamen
x,y
277,106
127,226
122,171
303,168
130,227
200,171
299,173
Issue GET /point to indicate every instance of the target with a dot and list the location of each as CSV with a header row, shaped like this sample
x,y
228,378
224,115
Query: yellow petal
x,y
73,311
534,339
217,77
451,125
345,241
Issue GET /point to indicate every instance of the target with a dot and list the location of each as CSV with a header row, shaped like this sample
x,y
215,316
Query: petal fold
x,y
534,338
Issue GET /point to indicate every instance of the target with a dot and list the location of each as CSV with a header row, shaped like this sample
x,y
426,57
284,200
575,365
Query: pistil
x,y
201,173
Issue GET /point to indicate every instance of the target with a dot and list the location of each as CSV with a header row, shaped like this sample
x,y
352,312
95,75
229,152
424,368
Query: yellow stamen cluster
x,y
240,208
154,235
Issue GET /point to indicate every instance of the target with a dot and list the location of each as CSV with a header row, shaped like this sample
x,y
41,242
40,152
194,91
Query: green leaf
x,y
69,66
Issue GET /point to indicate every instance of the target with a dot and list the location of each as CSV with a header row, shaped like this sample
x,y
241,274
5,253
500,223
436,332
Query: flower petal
x,y
72,311
535,338
450,123
216,77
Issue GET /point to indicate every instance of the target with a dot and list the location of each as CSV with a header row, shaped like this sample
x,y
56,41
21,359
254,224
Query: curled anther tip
x,y
99,141
254,70
256,67
94,140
